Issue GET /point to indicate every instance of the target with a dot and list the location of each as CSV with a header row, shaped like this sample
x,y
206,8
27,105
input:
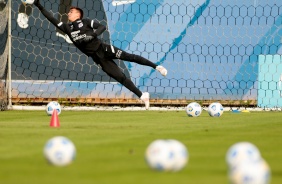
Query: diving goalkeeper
x,y
84,35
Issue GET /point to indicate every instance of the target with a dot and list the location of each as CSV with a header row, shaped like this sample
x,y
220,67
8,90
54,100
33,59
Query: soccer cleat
x,y
162,70
146,99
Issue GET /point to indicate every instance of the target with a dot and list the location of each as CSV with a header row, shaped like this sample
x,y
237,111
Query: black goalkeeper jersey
x,y
82,32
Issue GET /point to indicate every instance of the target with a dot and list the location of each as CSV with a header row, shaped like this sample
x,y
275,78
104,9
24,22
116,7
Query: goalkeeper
x,y
84,35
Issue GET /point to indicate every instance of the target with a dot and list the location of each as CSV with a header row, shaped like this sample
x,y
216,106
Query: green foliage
x,y
111,145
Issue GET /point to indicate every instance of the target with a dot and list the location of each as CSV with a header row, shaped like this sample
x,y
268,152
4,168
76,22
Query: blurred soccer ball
x,y
166,155
242,152
22,20
28,1
249,172
51,106
193,109
215,109
59,151
180,154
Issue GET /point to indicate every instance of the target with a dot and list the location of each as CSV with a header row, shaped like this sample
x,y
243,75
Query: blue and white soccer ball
x,y
59,151
249,172
242,152
166,155
193,109
51,106
215,109
28,1
180,154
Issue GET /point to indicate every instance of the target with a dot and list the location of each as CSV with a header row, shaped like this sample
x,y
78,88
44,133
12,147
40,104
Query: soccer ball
x,y
250,173
180,153
242,152
215,109
166,155
22,20
28,1
193,109
51,106
59,151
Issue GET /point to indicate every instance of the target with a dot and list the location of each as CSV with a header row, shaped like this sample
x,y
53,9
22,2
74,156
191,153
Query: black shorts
x,y
107,51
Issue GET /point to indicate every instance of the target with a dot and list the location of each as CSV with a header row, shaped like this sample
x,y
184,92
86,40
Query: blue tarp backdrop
x,y
270,81
210,48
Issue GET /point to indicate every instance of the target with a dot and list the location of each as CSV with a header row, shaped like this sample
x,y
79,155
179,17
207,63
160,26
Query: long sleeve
x,y
99,28
49,16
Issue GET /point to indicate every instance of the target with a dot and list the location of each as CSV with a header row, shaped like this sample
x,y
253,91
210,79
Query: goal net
x,y
225,51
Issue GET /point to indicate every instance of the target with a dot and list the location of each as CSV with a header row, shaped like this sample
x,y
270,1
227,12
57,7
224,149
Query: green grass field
x,y
111,145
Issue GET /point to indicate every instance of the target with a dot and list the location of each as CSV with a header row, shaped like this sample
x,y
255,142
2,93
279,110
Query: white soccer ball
x,y
193,109
215,109
250,173
242,152
51,106
28,1
180,154
59,151
22,20
166,155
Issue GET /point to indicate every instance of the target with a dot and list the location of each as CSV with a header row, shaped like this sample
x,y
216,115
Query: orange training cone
x,y
55,119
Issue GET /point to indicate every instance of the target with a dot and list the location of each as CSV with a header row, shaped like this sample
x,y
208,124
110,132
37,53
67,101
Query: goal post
x,y
4,53
213,51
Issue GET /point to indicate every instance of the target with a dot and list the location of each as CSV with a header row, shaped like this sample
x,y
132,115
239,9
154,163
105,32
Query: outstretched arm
x,y
48,15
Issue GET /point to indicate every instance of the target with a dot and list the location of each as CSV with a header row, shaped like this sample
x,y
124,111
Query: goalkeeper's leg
x,y
116,53
142,61
111,68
